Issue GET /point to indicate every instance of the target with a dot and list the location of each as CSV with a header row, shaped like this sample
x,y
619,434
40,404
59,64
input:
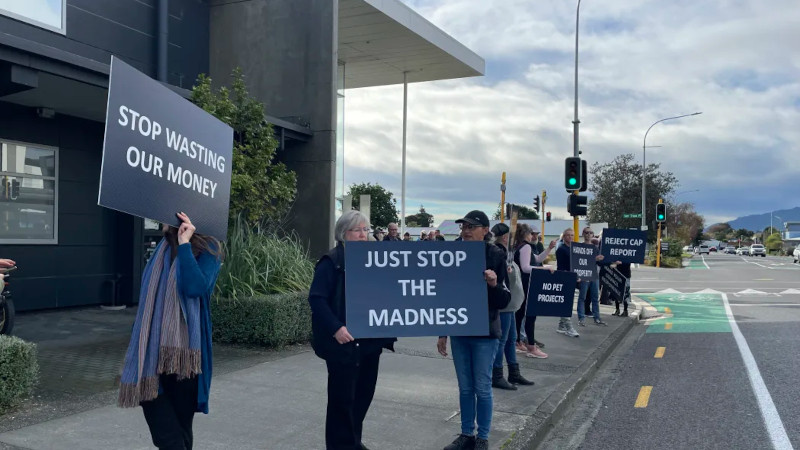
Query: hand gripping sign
x,y
162,154
398,288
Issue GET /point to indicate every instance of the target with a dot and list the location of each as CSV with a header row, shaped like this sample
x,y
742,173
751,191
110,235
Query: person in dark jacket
x,y
352,363
167,368
393,233
563,263
473,356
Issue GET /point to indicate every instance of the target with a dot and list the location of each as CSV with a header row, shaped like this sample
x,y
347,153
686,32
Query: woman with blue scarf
x,y
168,363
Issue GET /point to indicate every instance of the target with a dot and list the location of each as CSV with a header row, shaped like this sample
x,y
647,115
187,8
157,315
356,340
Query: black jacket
x,y
328,313
500,295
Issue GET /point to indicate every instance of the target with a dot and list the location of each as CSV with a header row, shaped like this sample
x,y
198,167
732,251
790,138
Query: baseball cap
x,y
534,229
475,217
500,229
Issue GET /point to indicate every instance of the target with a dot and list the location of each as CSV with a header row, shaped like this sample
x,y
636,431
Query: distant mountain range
x,y
758,222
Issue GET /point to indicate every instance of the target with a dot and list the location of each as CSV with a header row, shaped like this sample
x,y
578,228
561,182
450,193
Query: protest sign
x,y
583,261
428,288
616,283
162,155
551,294
623,245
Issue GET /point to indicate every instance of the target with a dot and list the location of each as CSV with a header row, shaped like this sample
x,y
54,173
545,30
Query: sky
x,y
736,61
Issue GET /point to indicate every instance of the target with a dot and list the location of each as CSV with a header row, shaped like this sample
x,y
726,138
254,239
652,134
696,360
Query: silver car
x,y
758,250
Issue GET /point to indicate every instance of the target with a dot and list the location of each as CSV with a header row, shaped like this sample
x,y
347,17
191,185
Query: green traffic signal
x,y
573,181
660,217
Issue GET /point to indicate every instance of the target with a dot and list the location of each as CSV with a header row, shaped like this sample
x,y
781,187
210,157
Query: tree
x,y
382,204
523,213
617,190
683,222
420,219
262,189
774,243
720,231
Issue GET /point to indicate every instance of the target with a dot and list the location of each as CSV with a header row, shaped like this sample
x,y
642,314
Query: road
x,y
719,369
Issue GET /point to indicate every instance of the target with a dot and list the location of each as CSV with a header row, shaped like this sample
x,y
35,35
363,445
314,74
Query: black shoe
x,y
538,344
625,314
462,442
616,313
499,382
515,377
481,444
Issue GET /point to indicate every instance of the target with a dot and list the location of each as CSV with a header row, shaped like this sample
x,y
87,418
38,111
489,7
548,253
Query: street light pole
x,y
575,121
644,161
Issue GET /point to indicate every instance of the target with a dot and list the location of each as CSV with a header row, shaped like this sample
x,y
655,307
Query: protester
x,y
589,290
439,236
473,356
393,235
378,235
563,262
509,331
423,236
167,367
407,236
625,270
527,258
352,363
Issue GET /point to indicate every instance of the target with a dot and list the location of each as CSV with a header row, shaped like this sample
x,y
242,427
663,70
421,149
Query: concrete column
x,y
287,50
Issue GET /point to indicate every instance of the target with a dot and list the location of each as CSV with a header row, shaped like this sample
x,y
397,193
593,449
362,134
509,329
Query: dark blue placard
x,y
551,294
616,283
583,261
376,306
144,174
623,245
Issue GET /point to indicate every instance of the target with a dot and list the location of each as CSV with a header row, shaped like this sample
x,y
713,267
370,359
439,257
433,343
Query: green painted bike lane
x,y
688,313
697,264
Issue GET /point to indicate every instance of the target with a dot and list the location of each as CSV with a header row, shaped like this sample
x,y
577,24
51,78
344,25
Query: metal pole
x,y
644,161
403,188
163,40
503,198
544,202
575,121
658,246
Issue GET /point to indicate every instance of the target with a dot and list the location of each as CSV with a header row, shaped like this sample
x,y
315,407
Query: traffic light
x,y
661,212
14,189
572,174
576,205
536,203
548,216
584,176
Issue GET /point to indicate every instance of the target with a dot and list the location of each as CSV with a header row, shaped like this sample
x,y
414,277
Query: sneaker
x,y
562,328
481,444
521,348
600,322
538,344
462,442
582,322
571,332
535,352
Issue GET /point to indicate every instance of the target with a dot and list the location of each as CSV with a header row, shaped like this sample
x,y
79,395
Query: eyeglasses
x,y
356,230
469,226
588,233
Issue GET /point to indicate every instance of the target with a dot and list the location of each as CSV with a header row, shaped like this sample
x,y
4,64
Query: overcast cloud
x,y
640,61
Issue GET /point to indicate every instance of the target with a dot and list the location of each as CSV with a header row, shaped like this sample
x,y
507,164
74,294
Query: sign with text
x,y
162,155
428,288
623,245
583,260
551,294
616,283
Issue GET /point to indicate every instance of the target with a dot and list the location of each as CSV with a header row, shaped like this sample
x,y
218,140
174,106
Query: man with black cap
x,y
473,356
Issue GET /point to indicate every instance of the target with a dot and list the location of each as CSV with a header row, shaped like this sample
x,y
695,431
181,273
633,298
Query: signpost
x,y
403,289
163,155
551,294
632,216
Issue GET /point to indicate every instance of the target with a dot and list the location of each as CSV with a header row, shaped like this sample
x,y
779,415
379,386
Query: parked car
x,y
743,251
758,250
687,248
730,251
712,249
700,249
796,254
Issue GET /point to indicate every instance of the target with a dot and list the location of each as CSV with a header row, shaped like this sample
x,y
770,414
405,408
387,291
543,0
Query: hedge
x,y
270,320
19,371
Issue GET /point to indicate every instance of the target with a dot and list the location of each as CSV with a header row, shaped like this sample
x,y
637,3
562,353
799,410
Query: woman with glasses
x,y
589,290
352,363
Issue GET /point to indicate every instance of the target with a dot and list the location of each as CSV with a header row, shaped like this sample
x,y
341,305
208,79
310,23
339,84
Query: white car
x,y
687,248
700,249
743,251
758,250
796,254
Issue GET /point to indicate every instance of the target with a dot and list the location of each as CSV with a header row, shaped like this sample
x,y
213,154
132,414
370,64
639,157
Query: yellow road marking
x,y
667,310
644,397
668,326
660,352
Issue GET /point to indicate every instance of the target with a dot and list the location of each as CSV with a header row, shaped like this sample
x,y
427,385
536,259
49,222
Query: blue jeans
x,y
508,341
473,359
593,289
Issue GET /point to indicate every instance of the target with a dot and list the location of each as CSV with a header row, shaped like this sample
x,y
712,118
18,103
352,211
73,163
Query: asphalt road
x,y
708,375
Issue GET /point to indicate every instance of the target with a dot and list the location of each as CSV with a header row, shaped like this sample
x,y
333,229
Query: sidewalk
x,y
280,403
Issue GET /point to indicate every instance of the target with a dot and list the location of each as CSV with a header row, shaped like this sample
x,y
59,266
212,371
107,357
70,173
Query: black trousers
x,y
170,415
350,391
530,326
519,315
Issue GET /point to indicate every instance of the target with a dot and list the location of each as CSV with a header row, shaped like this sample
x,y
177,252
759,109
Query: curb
x,y
536,427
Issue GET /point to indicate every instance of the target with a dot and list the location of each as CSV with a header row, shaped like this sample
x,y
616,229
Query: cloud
x,y
640,61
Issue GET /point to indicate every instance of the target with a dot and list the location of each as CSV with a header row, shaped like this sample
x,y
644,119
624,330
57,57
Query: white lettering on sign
x,y
583,261
190,180
615,241
622,252
195,151
387,258
138,122
546,298
147,162
440,258
418,287
582,250
407,317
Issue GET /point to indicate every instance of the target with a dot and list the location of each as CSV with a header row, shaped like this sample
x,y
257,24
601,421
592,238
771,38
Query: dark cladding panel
x,y
188,39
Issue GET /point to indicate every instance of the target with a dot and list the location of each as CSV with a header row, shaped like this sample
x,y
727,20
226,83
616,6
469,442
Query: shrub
x,y
258,262
269,320
19,371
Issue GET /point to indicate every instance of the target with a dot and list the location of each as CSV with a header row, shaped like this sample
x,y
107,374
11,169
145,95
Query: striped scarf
x,y
166,334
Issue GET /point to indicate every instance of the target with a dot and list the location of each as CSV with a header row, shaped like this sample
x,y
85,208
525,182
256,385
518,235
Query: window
x,y
49,14
28,194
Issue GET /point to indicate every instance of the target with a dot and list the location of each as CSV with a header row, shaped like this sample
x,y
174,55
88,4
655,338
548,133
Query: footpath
x,y
278,401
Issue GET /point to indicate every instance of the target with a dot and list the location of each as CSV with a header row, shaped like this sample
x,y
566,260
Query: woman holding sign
x,y
528,260
168,363
352,363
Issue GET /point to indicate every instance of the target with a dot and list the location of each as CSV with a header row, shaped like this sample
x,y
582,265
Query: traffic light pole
x,y
544,202
575,221
503,198
658,246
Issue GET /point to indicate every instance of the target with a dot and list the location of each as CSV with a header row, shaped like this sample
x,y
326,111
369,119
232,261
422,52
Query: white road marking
x,y
791,291
760,265
765,304
777,432
751,292
669,291
704,262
